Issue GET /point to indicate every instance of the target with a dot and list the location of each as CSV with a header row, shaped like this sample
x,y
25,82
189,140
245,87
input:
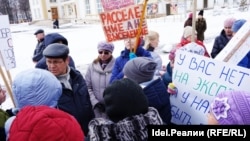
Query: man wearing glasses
x,y
224,37
75,99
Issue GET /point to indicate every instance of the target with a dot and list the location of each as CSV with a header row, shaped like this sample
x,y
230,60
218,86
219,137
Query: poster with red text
x,y
116,4
123,23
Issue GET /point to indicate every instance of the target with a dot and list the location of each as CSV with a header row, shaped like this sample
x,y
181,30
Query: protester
x,y
151,43
201,26
245,61
142,70
167,76
56,24
43,123
98,76
33,87
75,98
50,39
230,108
38,52
189,20
128,112
225,35
36,87
196,46
125,56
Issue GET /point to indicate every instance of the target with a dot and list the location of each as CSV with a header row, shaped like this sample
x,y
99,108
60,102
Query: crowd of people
x,y
118,96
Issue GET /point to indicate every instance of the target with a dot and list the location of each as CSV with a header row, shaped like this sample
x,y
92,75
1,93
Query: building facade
x,y
85,9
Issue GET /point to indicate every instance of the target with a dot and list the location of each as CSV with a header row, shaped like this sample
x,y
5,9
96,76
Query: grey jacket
x,y
97,80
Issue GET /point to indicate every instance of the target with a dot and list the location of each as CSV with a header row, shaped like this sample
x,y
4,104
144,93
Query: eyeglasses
x,y
103,52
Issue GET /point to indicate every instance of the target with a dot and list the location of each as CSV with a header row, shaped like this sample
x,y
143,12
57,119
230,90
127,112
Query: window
x,y
99,6
87,6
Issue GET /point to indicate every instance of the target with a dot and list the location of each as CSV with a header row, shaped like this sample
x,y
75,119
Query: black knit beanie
x,y
124,98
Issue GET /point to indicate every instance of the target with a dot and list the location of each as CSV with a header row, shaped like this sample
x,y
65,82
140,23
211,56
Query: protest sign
x,y
6,46
115,4
123,23
198,80
237,47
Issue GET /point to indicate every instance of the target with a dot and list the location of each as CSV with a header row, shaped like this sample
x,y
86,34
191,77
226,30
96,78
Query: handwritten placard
x,y
6,45
123,23
115,4
198,80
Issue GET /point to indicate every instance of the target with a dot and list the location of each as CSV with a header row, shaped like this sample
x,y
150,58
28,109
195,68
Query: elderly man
x,y
75,98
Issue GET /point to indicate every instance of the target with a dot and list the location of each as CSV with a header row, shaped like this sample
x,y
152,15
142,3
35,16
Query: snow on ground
x,y
83,38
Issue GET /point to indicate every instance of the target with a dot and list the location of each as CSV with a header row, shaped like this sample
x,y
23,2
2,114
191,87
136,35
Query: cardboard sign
x,y
123,23
198,80
237,47
115,4
6,46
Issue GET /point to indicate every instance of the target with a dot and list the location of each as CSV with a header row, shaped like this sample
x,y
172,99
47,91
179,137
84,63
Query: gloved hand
x,y
132,55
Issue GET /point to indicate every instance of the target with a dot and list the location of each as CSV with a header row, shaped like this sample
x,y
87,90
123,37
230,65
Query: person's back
x,y
157,95
142,70
50,39
43,123
129,119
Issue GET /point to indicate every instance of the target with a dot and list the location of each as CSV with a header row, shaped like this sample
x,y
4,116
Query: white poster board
x,y
7,57
198,80
237,47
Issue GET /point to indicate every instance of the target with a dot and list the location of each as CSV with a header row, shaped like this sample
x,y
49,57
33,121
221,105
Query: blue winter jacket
x,y
120,62
50,39
245,62
219,43
158,98
167,76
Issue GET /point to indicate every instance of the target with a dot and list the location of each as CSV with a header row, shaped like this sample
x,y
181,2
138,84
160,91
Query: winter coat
x,y
97,80
3,118
38,52
157,58
34,123
157,95
50,39
219,43
123,59
201,26
245,62
77,101
129,129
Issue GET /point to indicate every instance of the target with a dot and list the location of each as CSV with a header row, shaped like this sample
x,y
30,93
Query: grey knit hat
x,y
140,69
